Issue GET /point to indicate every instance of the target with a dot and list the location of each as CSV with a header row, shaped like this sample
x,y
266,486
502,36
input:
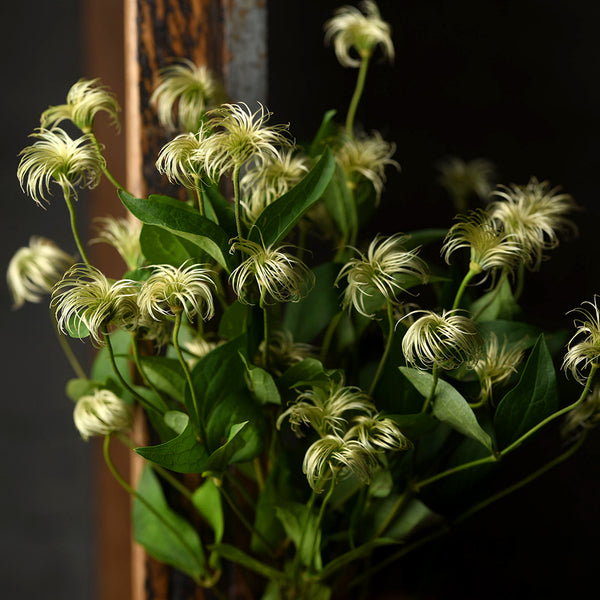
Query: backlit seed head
x,y
584,416
447,341
463,179
283,351
34,269
170,290
124,236
534,214
584,348
387,269
85,100
359,30
489,246
101,414
367,156
54,156
86,298
377,434
275,274
184,93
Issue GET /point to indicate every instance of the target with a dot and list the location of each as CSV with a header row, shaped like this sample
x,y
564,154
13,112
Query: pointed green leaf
x,y
278,218
261,384
221,458
181,220
166,374
448,405
207,499
169,538
234,554
301,526
326,134
533,399
160,246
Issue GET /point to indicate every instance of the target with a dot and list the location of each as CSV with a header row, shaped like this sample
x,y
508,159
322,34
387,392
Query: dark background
x,y
515,82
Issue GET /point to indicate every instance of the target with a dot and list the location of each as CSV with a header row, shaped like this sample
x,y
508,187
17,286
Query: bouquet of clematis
x,y
312,397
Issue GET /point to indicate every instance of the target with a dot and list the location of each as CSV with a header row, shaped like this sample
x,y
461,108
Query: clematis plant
x,y
310,386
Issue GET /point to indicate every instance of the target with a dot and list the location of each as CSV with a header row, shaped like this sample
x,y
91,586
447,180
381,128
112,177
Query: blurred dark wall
x,y
46,504
516,82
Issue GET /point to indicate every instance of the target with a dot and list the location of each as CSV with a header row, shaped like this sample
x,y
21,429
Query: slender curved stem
x,y
358,90
463,286
429,399
138,364
328,337
237,201
266,332
105,169
199,196
388,346
75,227
123,483
66,348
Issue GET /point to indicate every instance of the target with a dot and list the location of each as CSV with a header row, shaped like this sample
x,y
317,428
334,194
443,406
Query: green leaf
x,y
326,134
219,210
498,303
166,374
234,554
102,368
307,318
181,220
160,246
514,332
278,218
76,328
301,526
234,321
182,454
176,420
207,499
534,398
306,371
171,539
76,388
448,405
340,203
223,456
261,384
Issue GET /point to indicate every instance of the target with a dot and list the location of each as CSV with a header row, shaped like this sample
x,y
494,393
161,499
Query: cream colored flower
x,y
184,93
34,269
182,159
496,364
490,248
368,156
283,351
101,414
360,30
85,298
326,408
85,100
447,341
124,236
535,214
333,454
387,269
584,347
170,290
377,434
270,179
56,157
464,179
241,135
277,275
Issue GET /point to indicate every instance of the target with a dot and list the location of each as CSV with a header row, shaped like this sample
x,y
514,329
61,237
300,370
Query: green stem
x,y
492,297
358,90
66,348
266,332
113,362
520,282
138,364
388,346
105,170
120,479
237,201
74,226
188,374
431,396
473,270
328,337
309,506
199,196
398,506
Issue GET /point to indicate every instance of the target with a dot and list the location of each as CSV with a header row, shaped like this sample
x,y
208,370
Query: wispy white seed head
x,y
184,93
275,274
34,269
101,414
124,236
182,158
584,416
583,351
333,454
170,290
387,268
241,135
489,245
54,156
535,214
270,179
496,364
377,434
448,341
462,179
85,100
283,351
367,156
85,297
359,30
327,408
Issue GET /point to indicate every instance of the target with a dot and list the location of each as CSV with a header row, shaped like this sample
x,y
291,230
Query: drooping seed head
x,y
124,236
101,414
